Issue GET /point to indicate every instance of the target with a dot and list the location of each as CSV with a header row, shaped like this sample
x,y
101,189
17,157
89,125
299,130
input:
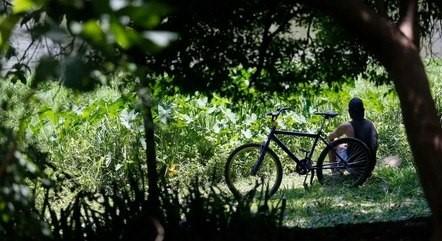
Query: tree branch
x,y
380,35
381,8
267,38
408,21
308,38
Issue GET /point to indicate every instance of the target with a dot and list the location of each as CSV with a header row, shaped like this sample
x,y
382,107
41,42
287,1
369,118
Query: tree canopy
x,y
283,42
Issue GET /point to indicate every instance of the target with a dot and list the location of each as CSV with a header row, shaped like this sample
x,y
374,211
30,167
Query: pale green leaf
x,y
7,24
92,31
21,6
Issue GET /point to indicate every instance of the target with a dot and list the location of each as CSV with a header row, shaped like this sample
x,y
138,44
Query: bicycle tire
x,y
358,167
238,167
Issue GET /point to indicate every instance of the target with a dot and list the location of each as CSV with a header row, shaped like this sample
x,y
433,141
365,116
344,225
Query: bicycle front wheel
x,y
238,171
350,162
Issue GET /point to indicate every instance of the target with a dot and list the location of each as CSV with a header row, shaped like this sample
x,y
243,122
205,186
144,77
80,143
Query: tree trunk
x,y
399,53
263,48
422,127
152,174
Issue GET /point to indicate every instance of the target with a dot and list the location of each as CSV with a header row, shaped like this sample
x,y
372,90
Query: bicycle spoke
x,y
352,163
239,169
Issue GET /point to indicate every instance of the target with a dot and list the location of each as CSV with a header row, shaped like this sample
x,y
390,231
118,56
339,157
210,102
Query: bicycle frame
x,y
272,136
349,158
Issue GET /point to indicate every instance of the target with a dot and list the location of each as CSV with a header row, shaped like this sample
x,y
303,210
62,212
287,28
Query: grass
x,y
390,194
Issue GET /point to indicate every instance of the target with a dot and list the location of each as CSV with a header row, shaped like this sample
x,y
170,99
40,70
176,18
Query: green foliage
x,y
94,140
19,219
94,37
434,69
96,137
285,42
198,214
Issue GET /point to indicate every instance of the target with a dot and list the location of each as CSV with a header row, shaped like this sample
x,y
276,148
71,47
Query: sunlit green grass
x,y
390,194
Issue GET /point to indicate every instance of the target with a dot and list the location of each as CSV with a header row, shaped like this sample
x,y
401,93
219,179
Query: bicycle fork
x,y
262,153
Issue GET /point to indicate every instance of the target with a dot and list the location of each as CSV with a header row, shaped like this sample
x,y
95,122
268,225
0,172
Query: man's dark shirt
x,y
364,131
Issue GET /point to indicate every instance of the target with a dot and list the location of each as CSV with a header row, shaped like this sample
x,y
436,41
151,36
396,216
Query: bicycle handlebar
x,y
277,112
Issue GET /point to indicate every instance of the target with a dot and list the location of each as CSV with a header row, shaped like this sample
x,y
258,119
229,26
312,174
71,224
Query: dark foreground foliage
x,y
125,214
19,219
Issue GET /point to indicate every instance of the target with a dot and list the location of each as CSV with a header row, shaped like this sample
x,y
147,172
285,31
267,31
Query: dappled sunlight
x,y
437,142
390,194
365,16
407,30
407,21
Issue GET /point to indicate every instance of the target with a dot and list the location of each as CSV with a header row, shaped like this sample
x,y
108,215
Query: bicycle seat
x,y
327,114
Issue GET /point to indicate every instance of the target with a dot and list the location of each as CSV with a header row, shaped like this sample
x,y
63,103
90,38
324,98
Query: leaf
x,y
49,115
18,73
75,74
23,126
246,133
147,15
19,6
164,113
250,119
231,116
186,118
127,117
216,128
114,108
47,68
92,31
118,166
10,52
124,36
201,102
7,24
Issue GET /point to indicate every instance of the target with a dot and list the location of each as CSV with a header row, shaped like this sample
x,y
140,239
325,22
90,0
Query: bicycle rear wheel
x,y
349,162
239,166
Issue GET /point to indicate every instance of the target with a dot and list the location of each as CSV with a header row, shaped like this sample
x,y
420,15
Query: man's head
x,y
356,109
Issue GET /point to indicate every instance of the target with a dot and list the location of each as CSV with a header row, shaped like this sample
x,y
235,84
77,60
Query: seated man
x,y
358,127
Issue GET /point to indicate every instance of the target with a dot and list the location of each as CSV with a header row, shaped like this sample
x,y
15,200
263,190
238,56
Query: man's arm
x,y
343,129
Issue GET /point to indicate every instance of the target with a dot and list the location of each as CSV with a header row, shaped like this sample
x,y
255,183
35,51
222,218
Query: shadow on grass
x,y
390,194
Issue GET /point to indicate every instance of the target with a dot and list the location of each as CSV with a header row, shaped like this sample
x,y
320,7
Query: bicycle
x,y
251,165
